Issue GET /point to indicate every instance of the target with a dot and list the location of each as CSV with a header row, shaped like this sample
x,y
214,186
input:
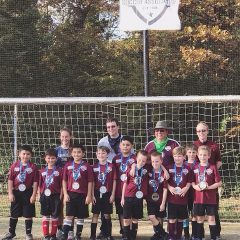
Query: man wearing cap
x,y
162,143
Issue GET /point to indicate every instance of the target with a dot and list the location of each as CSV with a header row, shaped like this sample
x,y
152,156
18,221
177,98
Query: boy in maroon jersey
x,y
22,190
206,182
134,190
50,186
157,196
103,191
178,185
191,161
123,162
77,187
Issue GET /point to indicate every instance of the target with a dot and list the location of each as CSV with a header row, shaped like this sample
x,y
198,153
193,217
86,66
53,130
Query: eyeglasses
x,y
160,130
203,130
113,126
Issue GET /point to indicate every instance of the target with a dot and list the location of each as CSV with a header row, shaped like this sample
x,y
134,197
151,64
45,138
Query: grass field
x,y
230,231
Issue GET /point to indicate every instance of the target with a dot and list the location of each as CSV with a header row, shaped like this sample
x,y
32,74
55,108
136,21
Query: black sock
x,y
159,230
28,226
213,231
12,225
66,229
186,231
126,232
134,230
108,227
120,223
194,229
60,227
93,229
200,230
218,224
79,230
103,225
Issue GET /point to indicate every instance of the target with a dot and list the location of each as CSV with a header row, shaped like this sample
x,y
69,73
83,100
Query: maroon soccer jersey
x,y
212,176
122,164
104,176
156,184
84,176
54,179
215,152
31,174
132,187
166,153
185,176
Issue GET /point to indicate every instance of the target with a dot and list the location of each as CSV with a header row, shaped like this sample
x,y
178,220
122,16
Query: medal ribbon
x,y
123,167
102,179
177,178
155,188
49,178
22,173
77,172
202,177
136,174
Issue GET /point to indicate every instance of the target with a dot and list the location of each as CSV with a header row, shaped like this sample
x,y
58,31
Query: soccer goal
x,y
37,121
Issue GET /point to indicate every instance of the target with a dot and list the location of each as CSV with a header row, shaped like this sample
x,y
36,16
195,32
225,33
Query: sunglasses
x,y
203,130
159,130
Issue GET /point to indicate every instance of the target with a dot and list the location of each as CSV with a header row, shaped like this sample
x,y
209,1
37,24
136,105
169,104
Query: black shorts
x,y
153,209
76,206
133,208
204,209
22,207
177,211
102,204
50,206
119,208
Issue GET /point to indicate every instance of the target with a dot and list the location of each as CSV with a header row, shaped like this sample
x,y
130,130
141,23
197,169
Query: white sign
x,y
138,15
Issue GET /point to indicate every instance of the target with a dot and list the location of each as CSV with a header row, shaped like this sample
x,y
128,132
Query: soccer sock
x,y
28,226
108,227
171,229
45,226
200,230
103,225
179,230
186,227
120,223
54,226
126,232
159,230
213,231
79,223
93,229
218,224
67,226
134,230
194,228
12,225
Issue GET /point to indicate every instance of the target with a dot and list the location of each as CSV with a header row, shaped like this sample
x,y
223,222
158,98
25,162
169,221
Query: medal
x,y
103,189
22,187
202,185
102,178
47,192
202,178
177,190
155,196
139,194
123,177
75,185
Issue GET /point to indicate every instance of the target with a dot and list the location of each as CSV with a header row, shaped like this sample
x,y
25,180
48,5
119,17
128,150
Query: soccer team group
x,y
175,182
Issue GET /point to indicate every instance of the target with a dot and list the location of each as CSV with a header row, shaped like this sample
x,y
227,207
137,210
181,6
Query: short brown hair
x,y
50,152
156,154
191,147
111,119
179,150
205,148
66,129
143,152
104,148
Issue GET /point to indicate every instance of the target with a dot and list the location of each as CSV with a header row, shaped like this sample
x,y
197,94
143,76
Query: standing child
x,y
134,190
157,196
103,191
123,162
206,182
77,187
50,186
178,185
191,161
22,190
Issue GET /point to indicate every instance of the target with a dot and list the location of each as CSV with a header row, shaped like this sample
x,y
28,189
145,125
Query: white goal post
x,y
37,121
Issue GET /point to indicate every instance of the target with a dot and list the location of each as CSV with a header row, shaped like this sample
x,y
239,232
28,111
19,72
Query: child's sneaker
x,y
8,236
70,235
29,236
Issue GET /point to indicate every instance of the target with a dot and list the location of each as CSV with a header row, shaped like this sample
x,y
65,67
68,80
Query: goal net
x,y
37,122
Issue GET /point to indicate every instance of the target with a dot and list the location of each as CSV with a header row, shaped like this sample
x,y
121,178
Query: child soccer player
x,y
206,181
22,190
157,196
178,185
103,191
134,190
50,186
191,161
77,187
123,162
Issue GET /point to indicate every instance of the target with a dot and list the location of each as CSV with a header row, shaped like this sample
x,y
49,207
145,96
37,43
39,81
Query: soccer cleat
x,y
53,238
29,236
100,236
77,238
46,238
9,236
70,235
60,234
155,237
92,238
